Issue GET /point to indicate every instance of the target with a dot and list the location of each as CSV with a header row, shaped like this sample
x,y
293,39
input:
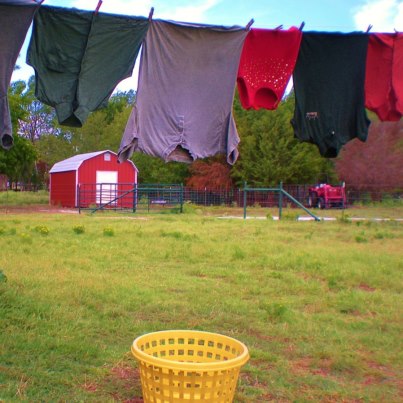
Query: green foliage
x,y
190,208
3,277
37,125
155,170
345,218
25,238
103,129
361,238
18,101
108,231
18,163
52,149
290,215
79,229
42,229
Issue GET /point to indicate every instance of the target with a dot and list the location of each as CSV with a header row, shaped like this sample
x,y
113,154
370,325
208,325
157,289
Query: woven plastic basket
x,y
186,365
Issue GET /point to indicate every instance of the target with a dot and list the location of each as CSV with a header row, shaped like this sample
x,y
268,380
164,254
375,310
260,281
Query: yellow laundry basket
x,y
187,365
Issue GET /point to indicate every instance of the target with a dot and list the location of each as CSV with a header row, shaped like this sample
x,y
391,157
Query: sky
x,y
318,15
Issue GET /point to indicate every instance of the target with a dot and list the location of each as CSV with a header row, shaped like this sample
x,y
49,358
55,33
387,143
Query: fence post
x,y
181,198
134,197
244,200
280,201
78,198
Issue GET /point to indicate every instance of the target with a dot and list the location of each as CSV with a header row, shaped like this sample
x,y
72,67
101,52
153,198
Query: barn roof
x,y
73,163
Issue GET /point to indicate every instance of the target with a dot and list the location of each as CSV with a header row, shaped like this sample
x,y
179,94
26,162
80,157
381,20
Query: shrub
x,y
344,218
79,229
109,231
290,216
25,238
42,229
3,277
361,238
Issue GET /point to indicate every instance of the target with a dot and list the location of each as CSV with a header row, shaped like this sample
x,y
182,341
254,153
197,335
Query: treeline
x,y
269,153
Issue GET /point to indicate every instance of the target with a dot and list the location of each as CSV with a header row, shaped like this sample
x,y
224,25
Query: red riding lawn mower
x,y
327,196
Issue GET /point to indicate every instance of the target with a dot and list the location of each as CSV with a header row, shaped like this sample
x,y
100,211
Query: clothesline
x,y
100,2
77,69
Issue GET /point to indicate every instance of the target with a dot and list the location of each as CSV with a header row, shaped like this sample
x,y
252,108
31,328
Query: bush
x,y
3,277
79,229
42,229
109,231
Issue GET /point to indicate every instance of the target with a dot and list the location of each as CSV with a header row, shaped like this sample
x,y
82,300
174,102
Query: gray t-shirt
x,y
186,87
15,19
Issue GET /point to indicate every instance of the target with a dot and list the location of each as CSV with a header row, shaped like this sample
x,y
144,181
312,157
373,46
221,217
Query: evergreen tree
x,y
18,163
155,170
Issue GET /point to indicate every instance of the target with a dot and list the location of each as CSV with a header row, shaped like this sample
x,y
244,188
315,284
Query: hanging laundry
x,y
267,62
186,87
329,90
15,19
384,76
79,57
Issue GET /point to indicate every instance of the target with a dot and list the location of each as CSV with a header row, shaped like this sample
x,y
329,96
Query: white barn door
x,y
106,186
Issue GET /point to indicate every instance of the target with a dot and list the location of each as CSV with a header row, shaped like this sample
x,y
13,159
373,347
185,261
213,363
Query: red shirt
x,y
384,75
267,62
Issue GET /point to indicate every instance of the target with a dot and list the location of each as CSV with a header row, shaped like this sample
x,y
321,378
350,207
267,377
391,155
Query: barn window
x,y
107,157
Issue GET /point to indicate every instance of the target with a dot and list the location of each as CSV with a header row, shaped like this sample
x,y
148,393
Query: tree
x,y
211,174
269,153
18,163
378,161
155,170
18,102
104,128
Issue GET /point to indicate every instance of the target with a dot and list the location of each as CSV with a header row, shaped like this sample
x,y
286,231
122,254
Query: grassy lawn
x,y
11,198
317,303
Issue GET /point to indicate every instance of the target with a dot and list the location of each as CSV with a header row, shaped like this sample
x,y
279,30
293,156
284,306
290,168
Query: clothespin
x,y
301,27
279,27
369,28
249,24
98,6
150,16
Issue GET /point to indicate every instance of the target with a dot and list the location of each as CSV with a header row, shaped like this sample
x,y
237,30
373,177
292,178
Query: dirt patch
x,y
122,383
307,365
366,287
35,209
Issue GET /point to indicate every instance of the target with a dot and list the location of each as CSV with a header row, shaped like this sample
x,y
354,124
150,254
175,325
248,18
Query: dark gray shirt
x,y
15,19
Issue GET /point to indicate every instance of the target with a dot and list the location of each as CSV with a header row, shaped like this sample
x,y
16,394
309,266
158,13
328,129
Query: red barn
x,y
93,179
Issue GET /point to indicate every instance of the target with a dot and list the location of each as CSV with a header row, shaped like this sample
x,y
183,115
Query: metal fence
x,y
153,197
128,196
363,194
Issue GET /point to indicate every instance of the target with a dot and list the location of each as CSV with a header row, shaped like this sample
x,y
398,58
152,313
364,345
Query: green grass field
x,y
319,304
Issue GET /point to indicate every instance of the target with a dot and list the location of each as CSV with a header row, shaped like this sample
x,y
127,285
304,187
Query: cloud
x,y
383,15
192,13
165,10
126,7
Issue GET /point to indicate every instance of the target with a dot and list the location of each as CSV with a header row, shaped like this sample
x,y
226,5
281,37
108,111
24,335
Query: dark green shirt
x,y
80,56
